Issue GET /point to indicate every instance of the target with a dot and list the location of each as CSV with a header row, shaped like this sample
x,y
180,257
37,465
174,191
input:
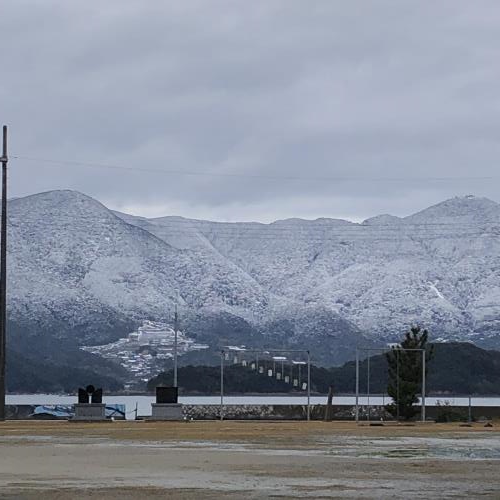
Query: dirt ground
x,y
182,460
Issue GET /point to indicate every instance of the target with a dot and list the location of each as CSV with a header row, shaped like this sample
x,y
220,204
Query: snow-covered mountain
x,y
439,267
72,259
77,268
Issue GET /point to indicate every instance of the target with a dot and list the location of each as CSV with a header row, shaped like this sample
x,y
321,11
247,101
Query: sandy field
x,y
183,460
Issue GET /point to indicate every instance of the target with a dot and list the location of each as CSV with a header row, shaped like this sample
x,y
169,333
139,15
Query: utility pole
x,y
397,384
357,386
423,385
176,327
222,385
368,389
3,275
308,385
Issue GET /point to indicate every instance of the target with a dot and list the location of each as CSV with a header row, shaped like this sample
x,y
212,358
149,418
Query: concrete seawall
x,y
263,412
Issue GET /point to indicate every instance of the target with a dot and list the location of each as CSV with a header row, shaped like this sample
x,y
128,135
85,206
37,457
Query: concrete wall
x,y
299,412
275,412
257,412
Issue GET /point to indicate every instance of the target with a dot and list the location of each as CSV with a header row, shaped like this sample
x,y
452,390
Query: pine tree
x,y
405,373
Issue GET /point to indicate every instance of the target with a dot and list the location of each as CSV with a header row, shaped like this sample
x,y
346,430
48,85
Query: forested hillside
x,y
458,368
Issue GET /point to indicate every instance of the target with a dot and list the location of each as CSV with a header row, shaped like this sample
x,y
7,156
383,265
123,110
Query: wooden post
x,y
329,408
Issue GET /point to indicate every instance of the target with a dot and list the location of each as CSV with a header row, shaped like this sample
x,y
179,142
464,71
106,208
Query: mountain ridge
x,y
83,271
458,201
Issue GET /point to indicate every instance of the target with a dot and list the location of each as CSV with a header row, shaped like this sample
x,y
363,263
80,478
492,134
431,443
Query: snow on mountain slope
x,y
439,267
459,210
72,259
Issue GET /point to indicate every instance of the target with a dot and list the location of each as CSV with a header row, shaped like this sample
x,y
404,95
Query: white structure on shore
x,y
143,352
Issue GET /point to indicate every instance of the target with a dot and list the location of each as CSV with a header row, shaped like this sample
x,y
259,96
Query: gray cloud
x,y
362,89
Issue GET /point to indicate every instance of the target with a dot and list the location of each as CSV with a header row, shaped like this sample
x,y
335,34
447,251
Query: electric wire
x,y
327,230
87,164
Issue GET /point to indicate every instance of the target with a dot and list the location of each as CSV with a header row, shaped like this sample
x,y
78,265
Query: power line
x,y
86,164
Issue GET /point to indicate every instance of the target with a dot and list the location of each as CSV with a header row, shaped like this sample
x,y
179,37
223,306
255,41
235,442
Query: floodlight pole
x,y
357,386
222,385
423,385
176,326
263,363
368,389
397,349
397,384
308,385
3,275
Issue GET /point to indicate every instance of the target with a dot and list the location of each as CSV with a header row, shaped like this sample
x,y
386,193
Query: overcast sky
x,y
317,108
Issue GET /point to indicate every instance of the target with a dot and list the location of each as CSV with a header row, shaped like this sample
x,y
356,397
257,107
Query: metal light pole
x,y
368,389
423,385
265,362
397,384
308,385
397,349
222,385
357,386
176,326
3,275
